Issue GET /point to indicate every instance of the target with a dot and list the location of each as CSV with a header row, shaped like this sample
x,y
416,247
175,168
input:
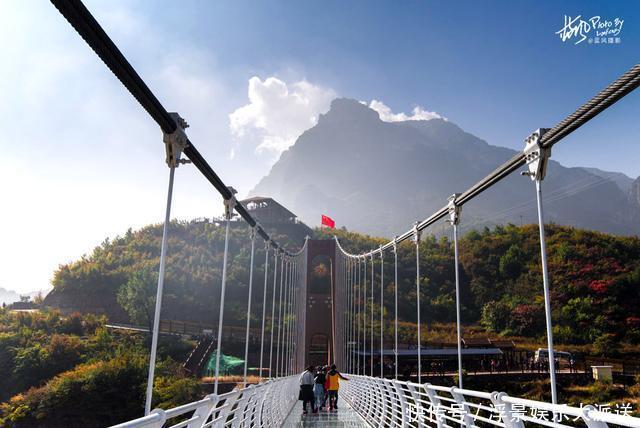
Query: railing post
x,y
204,412
241,406
387,403
261,408
418,407
509,417
403,402
251,406
229,402
465,416
436,404
161,422
591,423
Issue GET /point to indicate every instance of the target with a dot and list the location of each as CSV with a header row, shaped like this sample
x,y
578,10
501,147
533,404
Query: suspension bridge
x,y
371,396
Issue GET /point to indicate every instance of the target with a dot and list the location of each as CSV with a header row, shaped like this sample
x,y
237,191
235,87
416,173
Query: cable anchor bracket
x,y
176,142
536,157
416,233
230,204
454,209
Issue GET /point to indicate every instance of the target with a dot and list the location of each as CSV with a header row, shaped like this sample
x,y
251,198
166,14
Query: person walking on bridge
x,y
334,384
318,388
306,390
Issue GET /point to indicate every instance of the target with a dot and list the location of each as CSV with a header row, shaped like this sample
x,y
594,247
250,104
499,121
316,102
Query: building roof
x,y
443,352
503,343
269,201
476,341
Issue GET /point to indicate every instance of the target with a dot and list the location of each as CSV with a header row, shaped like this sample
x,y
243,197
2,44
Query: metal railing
x,y
263,405
393,403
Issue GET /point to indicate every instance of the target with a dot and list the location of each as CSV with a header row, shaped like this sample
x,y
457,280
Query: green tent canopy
x,y
229,365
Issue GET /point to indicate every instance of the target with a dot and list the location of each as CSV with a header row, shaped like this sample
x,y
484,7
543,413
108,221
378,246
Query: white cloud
x,y
418,113
278,113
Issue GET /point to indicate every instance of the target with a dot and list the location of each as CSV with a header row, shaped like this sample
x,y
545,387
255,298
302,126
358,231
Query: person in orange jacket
x,y
333,378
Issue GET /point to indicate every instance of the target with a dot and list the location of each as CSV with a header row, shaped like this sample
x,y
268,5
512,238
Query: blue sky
x,y
82,161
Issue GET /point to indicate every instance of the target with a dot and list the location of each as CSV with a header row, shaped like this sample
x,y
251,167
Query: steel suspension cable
x,y
282,275
285,317
372,303
458,325
160,287
341,306
76,13
228,215
292,312
353,346
246,338
361,318
364,328
273,310
291,315
264,305
355,278
419,351
395,322
344,315
381,314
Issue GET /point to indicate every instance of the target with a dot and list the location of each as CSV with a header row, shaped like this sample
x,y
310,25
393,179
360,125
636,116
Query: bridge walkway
x,y
345,416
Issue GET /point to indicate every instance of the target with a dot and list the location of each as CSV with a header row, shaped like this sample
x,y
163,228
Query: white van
x,y
542,355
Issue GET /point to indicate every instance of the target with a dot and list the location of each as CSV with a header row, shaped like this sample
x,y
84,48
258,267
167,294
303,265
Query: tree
x,y
137,297
495,316
511,263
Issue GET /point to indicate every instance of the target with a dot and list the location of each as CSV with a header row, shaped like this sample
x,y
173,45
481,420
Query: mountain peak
x,y
348,109
336,168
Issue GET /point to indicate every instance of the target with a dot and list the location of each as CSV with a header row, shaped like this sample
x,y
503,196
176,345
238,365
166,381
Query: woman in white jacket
x,y
306,390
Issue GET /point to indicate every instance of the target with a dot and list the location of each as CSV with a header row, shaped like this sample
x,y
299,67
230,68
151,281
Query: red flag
x,y
328,221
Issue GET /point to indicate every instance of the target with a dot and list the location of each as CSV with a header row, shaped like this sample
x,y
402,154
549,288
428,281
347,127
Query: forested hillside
x,y
73,372
193,273
595,278
595,282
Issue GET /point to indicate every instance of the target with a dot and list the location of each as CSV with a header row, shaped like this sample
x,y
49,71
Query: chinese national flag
x,y
328,221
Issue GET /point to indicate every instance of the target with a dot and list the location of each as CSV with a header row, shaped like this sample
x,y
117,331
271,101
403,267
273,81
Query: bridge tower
x,y
320,313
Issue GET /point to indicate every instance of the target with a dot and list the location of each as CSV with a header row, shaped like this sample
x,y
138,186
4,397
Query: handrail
x,y
266,404
407,404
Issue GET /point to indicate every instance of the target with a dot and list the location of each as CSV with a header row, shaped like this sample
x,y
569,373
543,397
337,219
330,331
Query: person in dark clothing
x,y
318,388
306,390
334,384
